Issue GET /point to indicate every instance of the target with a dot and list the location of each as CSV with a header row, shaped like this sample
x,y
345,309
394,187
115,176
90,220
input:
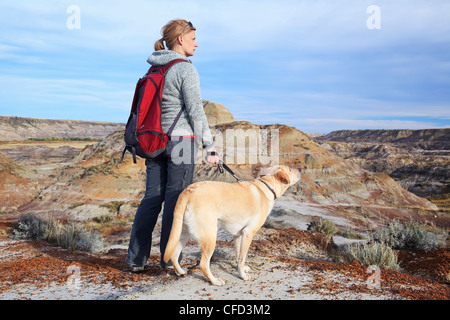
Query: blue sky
x,y
314,65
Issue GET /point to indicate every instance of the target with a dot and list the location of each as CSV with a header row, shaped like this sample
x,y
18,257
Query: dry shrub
x,y
372,253
325,226
410,235
32,226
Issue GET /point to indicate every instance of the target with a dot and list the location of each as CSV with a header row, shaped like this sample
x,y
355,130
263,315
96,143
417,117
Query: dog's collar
x,y
270,188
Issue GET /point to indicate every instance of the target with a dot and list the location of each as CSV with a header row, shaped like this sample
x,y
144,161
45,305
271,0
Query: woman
x,y
172,171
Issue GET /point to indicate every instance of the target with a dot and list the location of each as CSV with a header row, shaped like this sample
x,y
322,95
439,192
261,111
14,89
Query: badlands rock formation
x,y
427,139
216,113
419,160
331,186
17,128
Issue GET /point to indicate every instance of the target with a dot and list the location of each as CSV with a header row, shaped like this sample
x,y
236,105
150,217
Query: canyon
x,y
78,179
419,160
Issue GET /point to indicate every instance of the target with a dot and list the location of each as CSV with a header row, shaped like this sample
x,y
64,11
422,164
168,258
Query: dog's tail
x,y
177,226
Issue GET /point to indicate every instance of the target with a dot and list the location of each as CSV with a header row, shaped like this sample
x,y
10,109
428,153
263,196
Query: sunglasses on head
x,y
189,25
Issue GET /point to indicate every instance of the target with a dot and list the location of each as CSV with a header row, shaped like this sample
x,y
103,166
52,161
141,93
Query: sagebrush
x,y
410,235
324,226
372,253
32,226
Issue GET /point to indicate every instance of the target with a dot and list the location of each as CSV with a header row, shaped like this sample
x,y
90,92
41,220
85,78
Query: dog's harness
x,y
222,166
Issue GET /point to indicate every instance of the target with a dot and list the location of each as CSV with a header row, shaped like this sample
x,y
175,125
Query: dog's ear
x,y
267,171
282,176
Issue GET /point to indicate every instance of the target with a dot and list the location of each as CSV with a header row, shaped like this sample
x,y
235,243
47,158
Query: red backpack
x,y
143,133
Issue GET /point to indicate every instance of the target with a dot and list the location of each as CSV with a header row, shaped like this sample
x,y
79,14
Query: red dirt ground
x,y
425,275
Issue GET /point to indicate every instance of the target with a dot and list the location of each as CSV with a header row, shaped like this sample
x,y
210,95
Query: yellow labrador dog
x,y
240,208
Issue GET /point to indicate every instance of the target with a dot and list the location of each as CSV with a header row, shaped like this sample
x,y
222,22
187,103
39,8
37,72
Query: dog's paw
x,y
245,276
218,282
180,272
244,273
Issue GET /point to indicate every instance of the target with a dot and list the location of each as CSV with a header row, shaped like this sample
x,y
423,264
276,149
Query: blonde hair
x,y
171,31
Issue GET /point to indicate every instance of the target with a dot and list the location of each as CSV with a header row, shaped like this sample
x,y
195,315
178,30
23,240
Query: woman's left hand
x,y
212,159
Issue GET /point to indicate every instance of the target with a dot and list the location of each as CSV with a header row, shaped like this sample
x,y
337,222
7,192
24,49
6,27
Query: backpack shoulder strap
x,y
169,133
163,69
166,67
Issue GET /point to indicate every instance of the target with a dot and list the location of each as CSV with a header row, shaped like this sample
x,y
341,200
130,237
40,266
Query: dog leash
x,y
221,165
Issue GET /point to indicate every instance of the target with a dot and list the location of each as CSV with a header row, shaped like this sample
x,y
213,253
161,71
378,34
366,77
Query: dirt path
x,y
286,264
271,280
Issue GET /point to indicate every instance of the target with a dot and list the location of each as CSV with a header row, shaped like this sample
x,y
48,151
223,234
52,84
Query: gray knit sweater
x,y
182,86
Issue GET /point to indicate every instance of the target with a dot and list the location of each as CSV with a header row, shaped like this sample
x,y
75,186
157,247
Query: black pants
x,y
167,176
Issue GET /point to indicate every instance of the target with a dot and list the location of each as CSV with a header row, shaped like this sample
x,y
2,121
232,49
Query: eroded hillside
x,y
18,128
86,180
419,160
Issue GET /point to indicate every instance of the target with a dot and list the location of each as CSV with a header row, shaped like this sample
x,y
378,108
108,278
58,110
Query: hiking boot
x,y
137,269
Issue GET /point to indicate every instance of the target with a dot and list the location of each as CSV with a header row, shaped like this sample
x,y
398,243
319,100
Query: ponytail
x,y
159,45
